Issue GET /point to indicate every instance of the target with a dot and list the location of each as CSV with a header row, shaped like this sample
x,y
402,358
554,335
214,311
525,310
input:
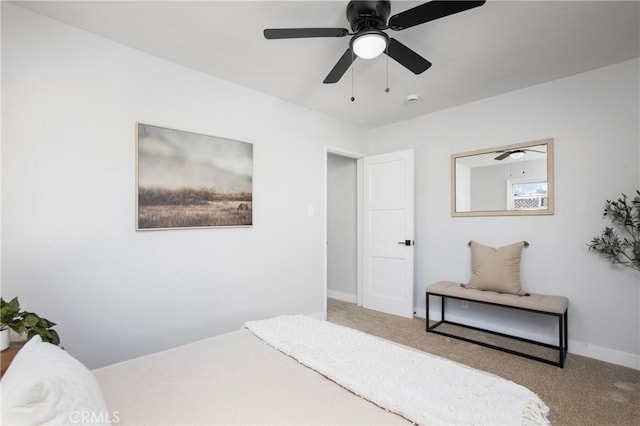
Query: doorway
x,y
343,182
342,222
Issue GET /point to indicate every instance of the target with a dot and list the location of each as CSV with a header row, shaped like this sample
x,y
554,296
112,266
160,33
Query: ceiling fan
x,y
369,20
516,153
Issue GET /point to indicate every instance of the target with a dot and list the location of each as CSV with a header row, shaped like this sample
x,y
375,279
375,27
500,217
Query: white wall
x,y
1,206
341,228
70,101
593,118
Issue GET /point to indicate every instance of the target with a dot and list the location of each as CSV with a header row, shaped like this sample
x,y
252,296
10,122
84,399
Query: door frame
x,y
359,157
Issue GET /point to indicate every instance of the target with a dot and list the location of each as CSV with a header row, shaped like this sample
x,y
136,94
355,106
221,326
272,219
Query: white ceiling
x,y
483,52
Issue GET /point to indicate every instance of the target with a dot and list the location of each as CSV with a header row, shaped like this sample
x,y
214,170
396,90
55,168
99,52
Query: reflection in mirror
x,y
509,180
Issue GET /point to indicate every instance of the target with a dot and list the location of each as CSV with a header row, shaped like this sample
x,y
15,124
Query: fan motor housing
x,y
366,15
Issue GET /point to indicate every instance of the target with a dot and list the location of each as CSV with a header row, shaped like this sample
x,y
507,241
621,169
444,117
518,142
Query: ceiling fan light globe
x,y
516,155
369,46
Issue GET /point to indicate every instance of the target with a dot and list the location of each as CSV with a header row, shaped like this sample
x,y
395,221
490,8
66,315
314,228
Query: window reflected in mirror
x,y
508,180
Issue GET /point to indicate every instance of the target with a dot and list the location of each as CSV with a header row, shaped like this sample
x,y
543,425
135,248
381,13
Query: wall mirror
x,y
510,180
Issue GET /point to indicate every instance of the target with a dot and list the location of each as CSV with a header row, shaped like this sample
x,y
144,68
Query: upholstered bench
x,y
556,306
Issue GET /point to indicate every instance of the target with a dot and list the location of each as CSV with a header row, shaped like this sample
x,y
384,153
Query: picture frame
x,y
187,180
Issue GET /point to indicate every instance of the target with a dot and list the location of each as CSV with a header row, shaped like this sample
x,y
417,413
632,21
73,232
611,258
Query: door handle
x,y
405,242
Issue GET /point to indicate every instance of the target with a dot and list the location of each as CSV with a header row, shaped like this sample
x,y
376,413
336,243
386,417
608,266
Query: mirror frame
x,y
550,201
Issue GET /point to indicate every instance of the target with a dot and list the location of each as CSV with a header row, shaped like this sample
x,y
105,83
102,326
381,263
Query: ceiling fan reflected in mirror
x,y
369,20
516,154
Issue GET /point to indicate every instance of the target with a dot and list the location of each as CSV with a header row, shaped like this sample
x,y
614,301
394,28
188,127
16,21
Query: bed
x,y
285,370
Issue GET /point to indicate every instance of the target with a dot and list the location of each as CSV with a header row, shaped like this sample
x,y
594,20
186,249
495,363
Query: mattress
x,y
234,378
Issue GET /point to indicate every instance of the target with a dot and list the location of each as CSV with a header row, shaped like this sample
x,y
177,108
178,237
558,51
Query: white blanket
x,y
421,387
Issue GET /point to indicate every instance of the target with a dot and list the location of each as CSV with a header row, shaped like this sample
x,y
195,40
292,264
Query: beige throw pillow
x,y
496,269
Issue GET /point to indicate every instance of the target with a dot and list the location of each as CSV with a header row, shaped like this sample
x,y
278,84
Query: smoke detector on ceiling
x,y
411,99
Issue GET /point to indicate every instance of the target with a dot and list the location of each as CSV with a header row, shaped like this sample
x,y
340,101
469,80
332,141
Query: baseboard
x,y
612,356
339,295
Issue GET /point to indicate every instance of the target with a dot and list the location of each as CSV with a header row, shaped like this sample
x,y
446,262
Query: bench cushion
x,y
537,302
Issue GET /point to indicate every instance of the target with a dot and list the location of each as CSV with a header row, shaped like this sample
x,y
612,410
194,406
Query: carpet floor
x,y
585,392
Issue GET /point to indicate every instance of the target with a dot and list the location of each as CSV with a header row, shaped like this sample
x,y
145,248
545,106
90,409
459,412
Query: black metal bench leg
x,y
427,305
561,341
428,327
566,331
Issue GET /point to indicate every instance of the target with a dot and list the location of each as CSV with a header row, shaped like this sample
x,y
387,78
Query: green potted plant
x,y
621,243
23,322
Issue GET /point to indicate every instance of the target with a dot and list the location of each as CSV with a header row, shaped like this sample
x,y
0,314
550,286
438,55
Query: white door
x,y
388,233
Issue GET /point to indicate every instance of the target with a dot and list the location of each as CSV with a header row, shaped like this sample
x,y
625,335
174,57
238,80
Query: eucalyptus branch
x,y
625,217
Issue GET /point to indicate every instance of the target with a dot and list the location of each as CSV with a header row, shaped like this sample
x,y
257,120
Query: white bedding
x,y
255,376
423,388
234,378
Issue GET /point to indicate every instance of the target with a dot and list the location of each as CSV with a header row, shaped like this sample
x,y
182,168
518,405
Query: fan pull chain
x,y
352,67
386,89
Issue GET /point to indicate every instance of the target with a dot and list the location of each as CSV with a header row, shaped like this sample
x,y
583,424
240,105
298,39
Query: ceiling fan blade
x,y
534,150
340,68
407,57
428,12
278,33
503,155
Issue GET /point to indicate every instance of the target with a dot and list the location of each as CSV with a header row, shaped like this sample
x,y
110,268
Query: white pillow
x,y
44,384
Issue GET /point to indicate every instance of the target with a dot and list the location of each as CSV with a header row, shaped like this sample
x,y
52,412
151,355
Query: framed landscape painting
x,y
188,180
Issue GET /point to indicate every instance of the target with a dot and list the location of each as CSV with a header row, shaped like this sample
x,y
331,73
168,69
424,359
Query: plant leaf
x,y
31,320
